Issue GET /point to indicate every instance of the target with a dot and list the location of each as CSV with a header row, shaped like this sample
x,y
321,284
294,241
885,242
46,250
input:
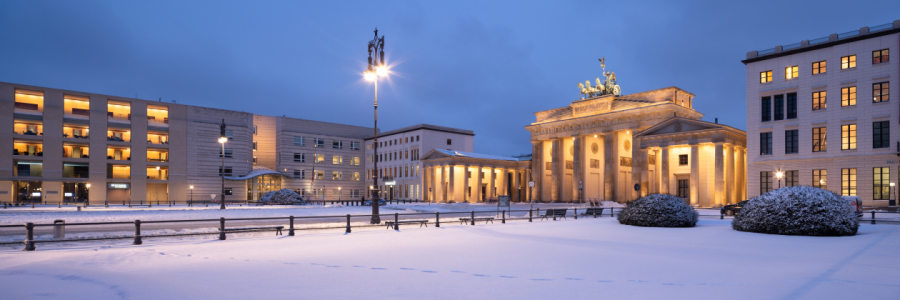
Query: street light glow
x,y
192,187
223,139
370,76
778,174
382,71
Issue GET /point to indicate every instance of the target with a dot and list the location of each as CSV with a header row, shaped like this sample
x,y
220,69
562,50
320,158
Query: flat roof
x,y
823,42
426,127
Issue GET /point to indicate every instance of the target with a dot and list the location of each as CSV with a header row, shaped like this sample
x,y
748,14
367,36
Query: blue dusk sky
x,y
485,66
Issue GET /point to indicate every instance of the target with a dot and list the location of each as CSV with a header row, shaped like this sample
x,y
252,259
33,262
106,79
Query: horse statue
x,y
605,87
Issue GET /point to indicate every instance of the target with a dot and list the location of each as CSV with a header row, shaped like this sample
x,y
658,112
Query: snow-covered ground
x,y
582,259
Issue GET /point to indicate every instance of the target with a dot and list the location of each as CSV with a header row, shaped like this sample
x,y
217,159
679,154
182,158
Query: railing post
x,y
539,212
137,232
348,223
576,213
721,215
503,217
611,209
437,219
473,218
106,202
291,229
29,236
554,214
396,219
873,217
222,228
529,215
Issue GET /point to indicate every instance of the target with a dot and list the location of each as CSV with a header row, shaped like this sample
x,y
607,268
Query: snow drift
x,y
659,210
283,196
797,210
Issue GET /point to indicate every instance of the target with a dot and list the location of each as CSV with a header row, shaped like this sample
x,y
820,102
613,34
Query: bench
x,y
592,211
463,221
553,213
421,222
249,229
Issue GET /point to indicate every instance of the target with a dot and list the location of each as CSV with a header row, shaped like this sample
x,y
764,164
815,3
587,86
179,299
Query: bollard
x,y
59,205
32,204
611,209
595,213
29,236
396,220
503,217
59,229
291,229
170,203
106,203
554,214
873,217
576,213
437,219
529,215
137,232
78,207
721,215
348,223
473,218
222,228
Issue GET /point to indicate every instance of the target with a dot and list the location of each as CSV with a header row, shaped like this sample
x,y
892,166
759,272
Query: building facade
x,y
70,146
400,173
821,113
600,147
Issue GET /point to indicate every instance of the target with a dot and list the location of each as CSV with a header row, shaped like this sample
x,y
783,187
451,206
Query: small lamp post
x,y
191,203
893,201
340,193
88,200
778,175
222,140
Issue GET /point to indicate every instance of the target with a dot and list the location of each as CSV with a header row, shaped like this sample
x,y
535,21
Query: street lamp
x,y
88,200
893,190
222,140
376,69
192,196
340,193
778,175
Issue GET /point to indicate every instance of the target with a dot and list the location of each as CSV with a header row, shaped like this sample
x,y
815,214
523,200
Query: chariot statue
x,y
605,87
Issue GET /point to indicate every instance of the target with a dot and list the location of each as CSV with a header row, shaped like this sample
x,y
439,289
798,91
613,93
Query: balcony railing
x,y
28,132
27,106
115,139
75,136
36,153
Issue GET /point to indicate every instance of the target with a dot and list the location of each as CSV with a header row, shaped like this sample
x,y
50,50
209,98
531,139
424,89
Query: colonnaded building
x,y
71,146
599,147
820,112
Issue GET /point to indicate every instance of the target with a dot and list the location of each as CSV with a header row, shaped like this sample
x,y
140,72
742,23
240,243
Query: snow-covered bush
x,y
659,210
283,196
797,210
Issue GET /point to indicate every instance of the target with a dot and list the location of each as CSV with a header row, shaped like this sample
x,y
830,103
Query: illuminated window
x,y
29,102
337,159
881,183
157,115
765,76
320,174
820,179
320,158
336,175
791,72
356,176
818,100
848,182
848,96
881,92
118,110
818,67
683,160
880,56
819,144
118,171
354,161
848,62
848,137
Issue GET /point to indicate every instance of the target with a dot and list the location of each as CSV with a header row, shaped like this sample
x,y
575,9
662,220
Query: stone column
x,y
578,167
664,170
492,183
730,195
645,172
695,173
741,174
555,176
537,166
636,170
517,184
720,175
466,178
478,175
609,167
439,188
451,193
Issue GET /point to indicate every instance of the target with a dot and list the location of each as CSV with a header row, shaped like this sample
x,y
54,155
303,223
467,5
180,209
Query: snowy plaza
x,y
586,257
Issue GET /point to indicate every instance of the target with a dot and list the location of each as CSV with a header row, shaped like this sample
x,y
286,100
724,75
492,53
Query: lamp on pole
x,y
191,203
340,193
778,175
892,191
222,140
88,200
376,69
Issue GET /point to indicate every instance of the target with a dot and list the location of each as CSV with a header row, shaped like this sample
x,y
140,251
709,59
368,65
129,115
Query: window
x,y
779,107
684,188
229,152
299,157
881,92
792,105
848,96
765,143
337,144
819,142
417,138
254,129
336,175
254,145
354,161
818,67
819,179
228,191
320,158
881,183
355,176
227,171
765,182
354,193
230,134
881,134
319,142
791,142
449,142
848,62
299,174
880,56
791,178
354,145
336,192
683,160
320,174
791,72
299,141
337,159
254,159
818,100
765,76
848,137
766,109
848,182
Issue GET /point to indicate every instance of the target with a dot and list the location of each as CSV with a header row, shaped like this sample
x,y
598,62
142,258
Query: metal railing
x,y
848,34
818,40
464,217
881,27
766,52
791,46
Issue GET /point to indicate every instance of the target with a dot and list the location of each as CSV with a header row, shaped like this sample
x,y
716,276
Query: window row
x,y
881,92
392,172
881,138
410,154
320,174
70,150
392,142
320,159
320,143
819,67
31,127
23,168
79,107
320,193
881,183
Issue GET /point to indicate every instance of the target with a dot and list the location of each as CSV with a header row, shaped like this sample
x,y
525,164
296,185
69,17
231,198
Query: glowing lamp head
x,y
157,168
370,76
222,140
779,174
821,181
88,185
892,184
192,187
382,71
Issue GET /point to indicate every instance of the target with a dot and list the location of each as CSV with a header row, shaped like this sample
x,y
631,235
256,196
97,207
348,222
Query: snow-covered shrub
x,y
659,210
283,196
797,210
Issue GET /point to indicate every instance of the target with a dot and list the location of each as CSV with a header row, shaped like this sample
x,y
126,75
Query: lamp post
x,y
376,69
191,203
778,175
892,191
222,140
88,200
340,193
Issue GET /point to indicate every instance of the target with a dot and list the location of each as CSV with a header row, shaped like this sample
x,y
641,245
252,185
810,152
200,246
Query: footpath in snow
x,y
585,258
